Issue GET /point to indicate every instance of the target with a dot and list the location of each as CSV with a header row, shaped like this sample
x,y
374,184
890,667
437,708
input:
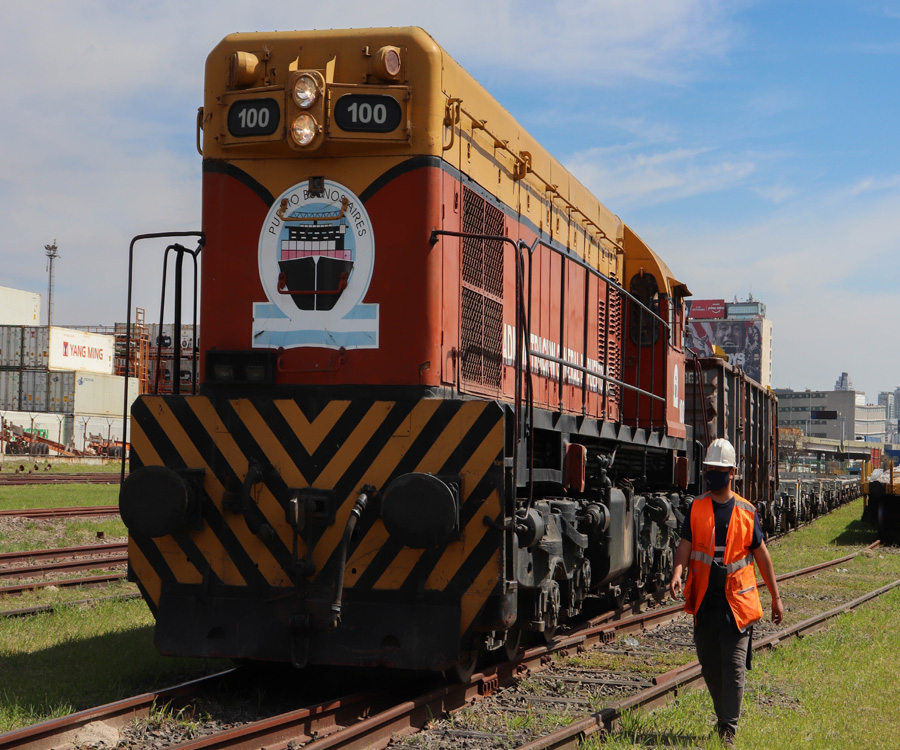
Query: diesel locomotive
x,y
442,387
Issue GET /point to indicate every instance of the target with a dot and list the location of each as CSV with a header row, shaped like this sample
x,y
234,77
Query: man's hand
x,y
777,610
675,586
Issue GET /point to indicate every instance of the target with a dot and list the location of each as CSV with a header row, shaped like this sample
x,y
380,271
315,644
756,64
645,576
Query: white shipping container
x,y
61,392
19,308
102,395
11,346
166,338
35,347
80,350
34,390
9,390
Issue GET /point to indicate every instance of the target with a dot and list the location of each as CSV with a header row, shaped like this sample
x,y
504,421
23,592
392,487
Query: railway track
x,y
41,563
37,477
63,560
377,720
74,512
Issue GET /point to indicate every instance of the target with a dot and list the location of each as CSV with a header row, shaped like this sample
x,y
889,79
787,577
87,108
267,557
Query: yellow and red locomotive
x,y
442,386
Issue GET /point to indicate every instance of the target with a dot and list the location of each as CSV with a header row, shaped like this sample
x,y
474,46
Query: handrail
x,y
523,163
524,405
201,240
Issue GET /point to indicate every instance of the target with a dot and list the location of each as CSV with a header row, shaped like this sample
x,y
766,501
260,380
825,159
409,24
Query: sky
x,y
752,143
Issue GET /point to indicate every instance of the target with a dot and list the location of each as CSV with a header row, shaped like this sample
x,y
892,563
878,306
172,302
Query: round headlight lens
x,y
392,62
305,91
304,129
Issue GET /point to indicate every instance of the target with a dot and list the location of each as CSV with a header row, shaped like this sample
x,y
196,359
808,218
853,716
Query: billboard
x,y
741,340
79,350
705,308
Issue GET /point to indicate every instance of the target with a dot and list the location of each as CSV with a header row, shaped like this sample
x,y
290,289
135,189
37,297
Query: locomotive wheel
x,y
463,670
512,643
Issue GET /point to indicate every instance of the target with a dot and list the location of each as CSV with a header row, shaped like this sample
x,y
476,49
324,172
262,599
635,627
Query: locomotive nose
x,y
154,501
420,510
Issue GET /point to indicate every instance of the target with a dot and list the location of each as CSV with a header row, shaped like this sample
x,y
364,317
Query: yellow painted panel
x,y
205,539
449,440
473,600
337,467
145,572
399,569
311,434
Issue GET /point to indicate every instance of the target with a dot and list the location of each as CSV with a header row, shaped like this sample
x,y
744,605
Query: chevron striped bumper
x,y
240,544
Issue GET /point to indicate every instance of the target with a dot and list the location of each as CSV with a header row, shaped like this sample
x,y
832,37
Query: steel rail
x,y
25,611
80,478
58,732
65,566
62,583
75,512
61,552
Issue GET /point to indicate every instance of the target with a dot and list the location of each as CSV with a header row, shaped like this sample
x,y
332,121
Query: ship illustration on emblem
x,y
315,264
316,254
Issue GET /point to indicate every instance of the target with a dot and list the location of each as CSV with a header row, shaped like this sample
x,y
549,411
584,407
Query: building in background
x,y
888,399
841,414
843,383
740,329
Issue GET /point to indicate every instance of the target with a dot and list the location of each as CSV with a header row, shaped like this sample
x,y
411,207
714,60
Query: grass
x,y
833,690
79,657
53,465
57,496
17,533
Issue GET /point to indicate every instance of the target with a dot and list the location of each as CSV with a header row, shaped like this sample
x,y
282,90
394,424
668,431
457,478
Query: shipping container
x,y
11,347
72,350
34,390
10,384
61,392
102,395
35,347
19,308
166,338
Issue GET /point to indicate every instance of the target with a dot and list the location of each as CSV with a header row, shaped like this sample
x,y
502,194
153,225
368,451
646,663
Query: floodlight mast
x,y
51,256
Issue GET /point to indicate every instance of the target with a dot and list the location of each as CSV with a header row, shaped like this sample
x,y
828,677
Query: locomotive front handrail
x,y
201,241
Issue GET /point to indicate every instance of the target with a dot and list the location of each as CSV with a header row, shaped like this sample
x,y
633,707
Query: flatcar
x,y
441,393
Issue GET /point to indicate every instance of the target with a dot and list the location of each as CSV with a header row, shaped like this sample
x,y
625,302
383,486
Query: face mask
x,y
717,480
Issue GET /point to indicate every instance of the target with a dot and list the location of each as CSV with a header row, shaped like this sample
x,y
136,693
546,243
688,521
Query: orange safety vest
x,y
740,580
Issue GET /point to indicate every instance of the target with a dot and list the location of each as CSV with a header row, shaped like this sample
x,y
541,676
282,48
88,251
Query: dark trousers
x,y
722,652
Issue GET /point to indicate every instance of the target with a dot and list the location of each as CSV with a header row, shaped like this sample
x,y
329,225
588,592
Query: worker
x,y
720,538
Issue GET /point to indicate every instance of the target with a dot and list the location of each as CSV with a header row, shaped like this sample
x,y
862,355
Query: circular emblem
x,y
316,255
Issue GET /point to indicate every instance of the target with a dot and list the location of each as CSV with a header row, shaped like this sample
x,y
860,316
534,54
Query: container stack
x,y
167,343
58,384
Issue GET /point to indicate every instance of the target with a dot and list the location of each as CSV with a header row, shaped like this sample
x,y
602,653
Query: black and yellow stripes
x,y
327,444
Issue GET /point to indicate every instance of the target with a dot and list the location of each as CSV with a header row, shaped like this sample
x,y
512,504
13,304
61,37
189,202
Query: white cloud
x,y
627,180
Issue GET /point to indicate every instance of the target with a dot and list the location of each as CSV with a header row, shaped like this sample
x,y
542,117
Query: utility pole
x,y
51,256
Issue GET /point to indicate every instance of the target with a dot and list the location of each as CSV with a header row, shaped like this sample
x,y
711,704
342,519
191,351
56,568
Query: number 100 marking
x,y
365,113
252,117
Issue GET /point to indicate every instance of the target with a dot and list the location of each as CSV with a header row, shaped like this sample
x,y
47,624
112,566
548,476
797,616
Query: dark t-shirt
x,y
722,517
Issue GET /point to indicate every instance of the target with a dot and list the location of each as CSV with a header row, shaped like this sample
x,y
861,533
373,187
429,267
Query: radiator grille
x,y
481,335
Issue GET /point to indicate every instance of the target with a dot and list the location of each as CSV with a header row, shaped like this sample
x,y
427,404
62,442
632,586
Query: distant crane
x,y
51,256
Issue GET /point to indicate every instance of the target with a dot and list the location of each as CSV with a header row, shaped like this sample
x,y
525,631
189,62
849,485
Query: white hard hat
x,y
720,453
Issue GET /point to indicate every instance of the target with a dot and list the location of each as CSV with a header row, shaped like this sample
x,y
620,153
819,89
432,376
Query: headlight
x,y
304,129
306,91
386,63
